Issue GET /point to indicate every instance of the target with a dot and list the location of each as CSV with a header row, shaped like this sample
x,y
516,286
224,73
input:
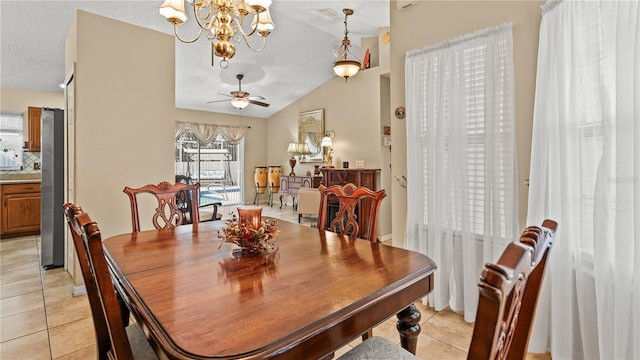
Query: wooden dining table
x,y
314,293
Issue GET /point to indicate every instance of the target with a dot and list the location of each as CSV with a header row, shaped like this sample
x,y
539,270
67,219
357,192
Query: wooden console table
x,y
289,186
358,177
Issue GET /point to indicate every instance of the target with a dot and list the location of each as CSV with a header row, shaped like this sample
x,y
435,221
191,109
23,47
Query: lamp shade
x,y
264,23
346,68
326,141
292,149
303,149
258,4
173,11
239,103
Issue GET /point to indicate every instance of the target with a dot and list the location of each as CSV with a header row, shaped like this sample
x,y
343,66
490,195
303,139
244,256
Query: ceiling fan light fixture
x,y
344,66
239,103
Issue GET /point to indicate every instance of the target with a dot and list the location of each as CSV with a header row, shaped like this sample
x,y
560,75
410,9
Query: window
x,y
217,166
462,194
11,141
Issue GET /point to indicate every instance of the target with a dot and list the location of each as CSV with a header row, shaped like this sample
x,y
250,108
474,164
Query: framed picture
x,y
311,132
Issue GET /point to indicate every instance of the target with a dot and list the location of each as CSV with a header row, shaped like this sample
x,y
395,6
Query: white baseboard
x,y
386,237
79,290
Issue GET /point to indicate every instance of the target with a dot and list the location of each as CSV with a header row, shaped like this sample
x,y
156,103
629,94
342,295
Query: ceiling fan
x,y
241,99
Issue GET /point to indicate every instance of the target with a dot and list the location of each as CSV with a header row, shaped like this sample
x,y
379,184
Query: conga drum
x,y
274,178
260,179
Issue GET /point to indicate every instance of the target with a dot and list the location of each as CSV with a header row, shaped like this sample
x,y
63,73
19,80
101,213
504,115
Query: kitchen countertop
x,y
19,178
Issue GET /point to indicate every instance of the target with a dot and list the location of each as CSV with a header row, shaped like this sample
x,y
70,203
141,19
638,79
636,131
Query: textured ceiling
x,y
296,60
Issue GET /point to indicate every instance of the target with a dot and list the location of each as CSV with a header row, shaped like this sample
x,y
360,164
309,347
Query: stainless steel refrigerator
x,y
52,158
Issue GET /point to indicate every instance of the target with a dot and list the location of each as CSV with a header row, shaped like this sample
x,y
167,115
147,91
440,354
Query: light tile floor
x,y
40,319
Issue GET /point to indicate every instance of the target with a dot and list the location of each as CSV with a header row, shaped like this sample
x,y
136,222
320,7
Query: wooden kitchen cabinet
x,y
34,129
20,209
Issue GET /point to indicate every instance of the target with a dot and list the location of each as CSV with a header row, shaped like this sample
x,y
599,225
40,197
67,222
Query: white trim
x,y
79,290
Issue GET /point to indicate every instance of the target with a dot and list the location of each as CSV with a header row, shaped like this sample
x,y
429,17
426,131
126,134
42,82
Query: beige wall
x,y
18,100
352,110
429,22
255,142
125,114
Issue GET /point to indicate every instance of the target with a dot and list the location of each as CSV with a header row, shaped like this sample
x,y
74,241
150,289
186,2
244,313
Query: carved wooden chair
x,y
184,203
112,338
346,221
169,212
349,198
509,291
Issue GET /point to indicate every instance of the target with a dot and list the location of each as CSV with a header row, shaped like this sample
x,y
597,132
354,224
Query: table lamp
x,y
293,151
327,151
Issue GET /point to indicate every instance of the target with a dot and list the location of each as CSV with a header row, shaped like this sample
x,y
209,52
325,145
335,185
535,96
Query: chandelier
x,y
222,21
345,66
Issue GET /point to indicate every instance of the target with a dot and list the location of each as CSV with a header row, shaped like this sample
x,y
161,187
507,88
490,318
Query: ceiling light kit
x,y
241,99
222,20
344,65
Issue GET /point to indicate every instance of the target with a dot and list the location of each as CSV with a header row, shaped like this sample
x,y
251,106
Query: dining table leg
x,y
408,326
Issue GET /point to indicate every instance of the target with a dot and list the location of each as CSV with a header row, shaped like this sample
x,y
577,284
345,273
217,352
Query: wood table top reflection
x,y
314,294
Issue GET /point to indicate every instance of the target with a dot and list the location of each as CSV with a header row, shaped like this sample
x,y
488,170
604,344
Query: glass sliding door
x,y
217,166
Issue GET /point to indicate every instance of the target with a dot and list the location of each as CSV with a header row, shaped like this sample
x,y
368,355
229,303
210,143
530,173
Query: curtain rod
x,y
11,113
230,126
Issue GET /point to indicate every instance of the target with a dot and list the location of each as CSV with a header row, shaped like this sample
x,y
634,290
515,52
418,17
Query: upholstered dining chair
x,y
349,197
169,211
308,202
113,340
509,291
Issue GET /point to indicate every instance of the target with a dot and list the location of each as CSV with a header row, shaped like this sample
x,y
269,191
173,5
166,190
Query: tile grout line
x,y
44,301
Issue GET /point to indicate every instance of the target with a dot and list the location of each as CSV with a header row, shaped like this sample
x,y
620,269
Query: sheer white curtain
x,y
585,174
462,196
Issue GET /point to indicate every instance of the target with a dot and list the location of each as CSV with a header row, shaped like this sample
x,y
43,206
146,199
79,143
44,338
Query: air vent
x,y
329,14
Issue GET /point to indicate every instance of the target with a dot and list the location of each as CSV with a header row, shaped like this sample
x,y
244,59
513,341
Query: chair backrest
x,y
509,292
169,212
308,201
105,309
346,221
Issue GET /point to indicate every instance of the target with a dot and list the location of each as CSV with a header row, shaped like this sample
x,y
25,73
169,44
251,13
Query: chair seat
x,y
140,346
377,348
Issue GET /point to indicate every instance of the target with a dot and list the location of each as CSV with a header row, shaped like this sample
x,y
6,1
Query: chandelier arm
x,y
175,31
264,43
238,25
208,24
196,14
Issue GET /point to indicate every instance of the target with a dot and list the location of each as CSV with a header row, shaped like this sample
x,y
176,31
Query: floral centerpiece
x,y
248,238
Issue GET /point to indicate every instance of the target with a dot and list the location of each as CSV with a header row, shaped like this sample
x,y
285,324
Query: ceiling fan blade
x,y
217,101
259,103
225,95
256,97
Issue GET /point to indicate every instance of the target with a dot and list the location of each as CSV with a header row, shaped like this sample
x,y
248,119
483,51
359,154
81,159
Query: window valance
x,y
207,133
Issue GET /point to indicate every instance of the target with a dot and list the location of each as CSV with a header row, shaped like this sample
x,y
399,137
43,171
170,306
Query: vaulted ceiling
x,y
296,60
